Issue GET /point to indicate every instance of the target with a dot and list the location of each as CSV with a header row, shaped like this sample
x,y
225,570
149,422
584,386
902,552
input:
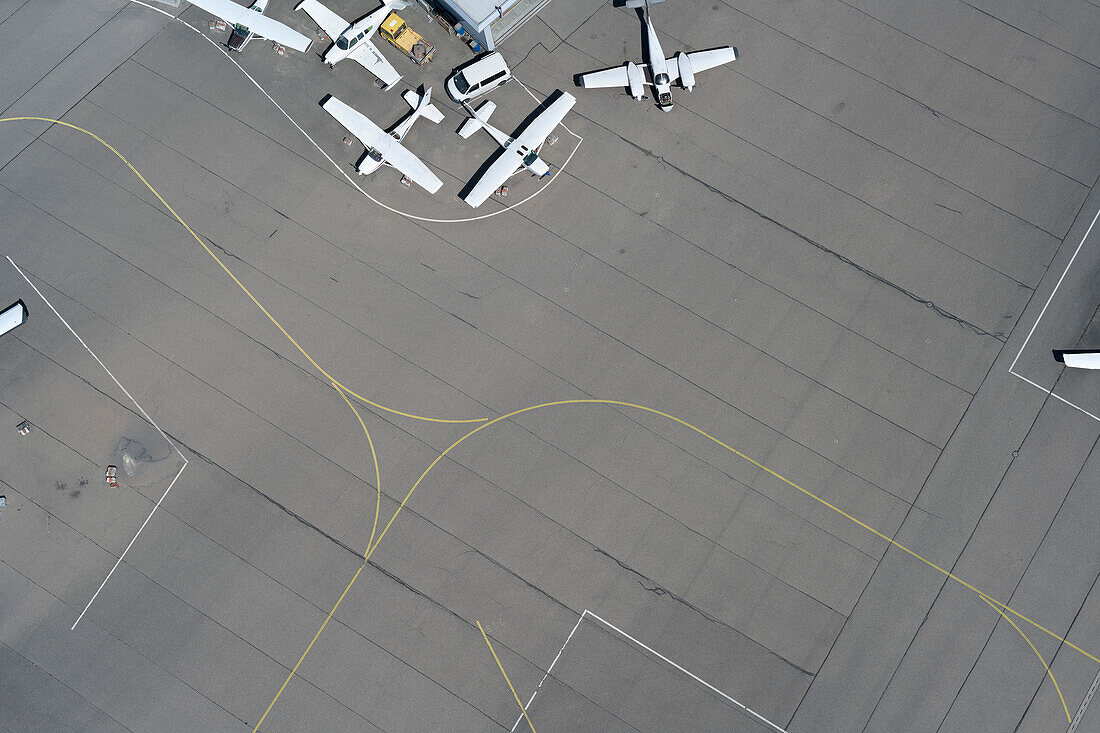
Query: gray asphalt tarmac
x,y
845,258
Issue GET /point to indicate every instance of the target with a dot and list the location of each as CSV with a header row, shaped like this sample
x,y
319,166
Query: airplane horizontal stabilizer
x,y
473,124
428,110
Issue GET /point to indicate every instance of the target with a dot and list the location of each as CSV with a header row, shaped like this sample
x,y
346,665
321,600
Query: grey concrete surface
x,y
847,256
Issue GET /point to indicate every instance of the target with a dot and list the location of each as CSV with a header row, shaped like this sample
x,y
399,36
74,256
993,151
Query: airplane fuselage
x,y
371,160
528,158
348,41
658,67
241,35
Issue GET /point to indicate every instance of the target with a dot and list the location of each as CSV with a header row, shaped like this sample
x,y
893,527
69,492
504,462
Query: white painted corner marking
x,y
1012,367
655,653
140,409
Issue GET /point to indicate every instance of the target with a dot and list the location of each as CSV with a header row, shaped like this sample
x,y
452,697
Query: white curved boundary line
x,y
340,170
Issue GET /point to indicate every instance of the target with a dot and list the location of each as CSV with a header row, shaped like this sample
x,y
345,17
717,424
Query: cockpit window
x,y
375,155
660,79
342,43
530,158
461,84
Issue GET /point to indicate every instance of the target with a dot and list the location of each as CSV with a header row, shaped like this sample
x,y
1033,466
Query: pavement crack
x,y
1000,336
662,592
463,319
224,251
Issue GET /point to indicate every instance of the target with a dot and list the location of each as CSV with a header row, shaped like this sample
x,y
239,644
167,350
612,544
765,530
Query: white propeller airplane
x,y
663,72
250,22
385,147
519,152
352,40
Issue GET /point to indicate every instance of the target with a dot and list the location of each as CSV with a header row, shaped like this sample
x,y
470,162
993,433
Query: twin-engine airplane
x,y
663,72
353,39
385,148
519,152
250,22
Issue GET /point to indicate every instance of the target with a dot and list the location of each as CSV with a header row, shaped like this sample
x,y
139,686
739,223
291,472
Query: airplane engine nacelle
x,y
635,80
687,74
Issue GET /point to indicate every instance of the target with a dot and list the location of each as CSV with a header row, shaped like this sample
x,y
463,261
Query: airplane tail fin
x,y
474,123
424,104
641,3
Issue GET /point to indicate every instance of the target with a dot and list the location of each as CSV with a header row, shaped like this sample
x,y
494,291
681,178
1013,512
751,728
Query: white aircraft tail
x,y
641,3
476,122
423,103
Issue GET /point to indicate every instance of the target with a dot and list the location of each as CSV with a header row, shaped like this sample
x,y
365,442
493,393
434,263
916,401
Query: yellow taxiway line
x,y
344,391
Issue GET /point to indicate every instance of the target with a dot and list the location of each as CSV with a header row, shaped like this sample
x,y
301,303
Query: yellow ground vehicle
x,y
405,39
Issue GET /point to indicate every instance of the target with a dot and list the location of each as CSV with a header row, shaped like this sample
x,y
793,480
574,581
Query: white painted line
x,y
1063,277
1055,396
1012,367
341,170
143,412
701,681
74,333
551,668
655,653
1084,705
119,560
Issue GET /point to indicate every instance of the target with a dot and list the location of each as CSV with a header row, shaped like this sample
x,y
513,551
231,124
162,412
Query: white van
x,y
483,75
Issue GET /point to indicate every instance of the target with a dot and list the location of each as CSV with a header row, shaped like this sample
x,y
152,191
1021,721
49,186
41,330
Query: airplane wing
x,y
374,62
493,178
615,77
12,316
510,160
375,137
535,133
703,60
258,23
330,22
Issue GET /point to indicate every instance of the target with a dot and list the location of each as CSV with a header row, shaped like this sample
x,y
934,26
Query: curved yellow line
x,y
377,470
486,422
311,643
1043,661
739,454
239,283
1000,607
501,668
